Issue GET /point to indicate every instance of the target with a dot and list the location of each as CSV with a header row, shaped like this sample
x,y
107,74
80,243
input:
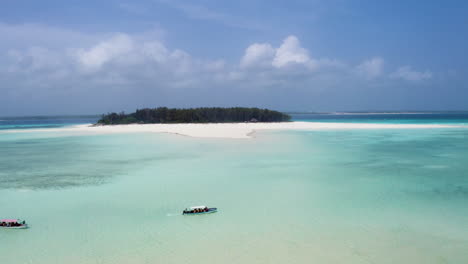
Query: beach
x,y
228,130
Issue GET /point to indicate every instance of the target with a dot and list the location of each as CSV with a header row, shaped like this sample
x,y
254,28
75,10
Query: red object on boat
x,y
9,220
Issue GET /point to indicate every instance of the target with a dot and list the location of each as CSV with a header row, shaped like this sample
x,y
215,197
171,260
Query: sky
x,y
91,57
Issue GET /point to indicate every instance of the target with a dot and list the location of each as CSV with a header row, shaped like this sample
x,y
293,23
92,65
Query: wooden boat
x,y
202,209
13,224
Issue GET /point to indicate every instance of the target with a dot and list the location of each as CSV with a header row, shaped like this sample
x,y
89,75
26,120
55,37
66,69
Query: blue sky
x,y
84,57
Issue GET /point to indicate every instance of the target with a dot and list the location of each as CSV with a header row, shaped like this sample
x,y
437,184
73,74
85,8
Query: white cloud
x,y
121,58
371,68
407,73
95,57
290,52
113,60
142,67
258,55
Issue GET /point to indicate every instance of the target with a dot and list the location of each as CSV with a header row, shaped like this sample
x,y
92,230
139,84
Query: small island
x,y
164,115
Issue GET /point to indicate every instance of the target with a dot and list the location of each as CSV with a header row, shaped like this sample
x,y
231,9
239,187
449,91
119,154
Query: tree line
x,y
194,115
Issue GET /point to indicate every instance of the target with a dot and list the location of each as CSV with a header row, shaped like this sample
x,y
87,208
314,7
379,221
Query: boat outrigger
x,y
13,224
202,209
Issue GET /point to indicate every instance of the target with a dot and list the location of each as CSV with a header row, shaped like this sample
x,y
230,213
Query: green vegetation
x,y
194,115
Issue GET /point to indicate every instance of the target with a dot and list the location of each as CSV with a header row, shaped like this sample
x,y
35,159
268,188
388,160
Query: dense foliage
x,y
195,115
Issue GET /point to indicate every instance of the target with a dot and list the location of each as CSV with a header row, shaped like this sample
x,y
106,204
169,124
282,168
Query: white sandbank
x,y
227,130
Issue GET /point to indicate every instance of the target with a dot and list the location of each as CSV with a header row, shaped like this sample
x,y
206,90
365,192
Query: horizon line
x,y
286,112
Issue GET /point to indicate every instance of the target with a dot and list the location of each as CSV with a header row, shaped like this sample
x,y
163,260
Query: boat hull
x,y
14,227
210,211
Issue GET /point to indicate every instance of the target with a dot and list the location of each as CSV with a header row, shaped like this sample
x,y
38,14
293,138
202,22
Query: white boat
x,y
13,224
201,209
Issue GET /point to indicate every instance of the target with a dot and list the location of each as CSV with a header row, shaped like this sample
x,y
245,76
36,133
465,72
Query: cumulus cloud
x,y
126,59
290,52
258,55
115,60
126,65
371,68
123,52
407,73
117,46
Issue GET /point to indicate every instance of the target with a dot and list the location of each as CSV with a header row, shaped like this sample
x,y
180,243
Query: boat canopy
x,y
9,220
198,207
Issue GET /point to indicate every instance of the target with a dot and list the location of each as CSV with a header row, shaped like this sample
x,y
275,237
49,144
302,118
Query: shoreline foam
x,y
227,130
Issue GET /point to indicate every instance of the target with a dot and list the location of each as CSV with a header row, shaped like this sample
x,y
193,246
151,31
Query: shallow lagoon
x,y
349,196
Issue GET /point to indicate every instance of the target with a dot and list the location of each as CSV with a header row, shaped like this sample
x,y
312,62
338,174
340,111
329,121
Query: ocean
x,y
325,196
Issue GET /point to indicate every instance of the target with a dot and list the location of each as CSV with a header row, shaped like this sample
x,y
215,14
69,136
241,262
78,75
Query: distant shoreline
x,y
381,113
200,115
97,116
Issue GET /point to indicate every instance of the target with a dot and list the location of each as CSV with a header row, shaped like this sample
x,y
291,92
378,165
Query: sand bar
x,y
227,130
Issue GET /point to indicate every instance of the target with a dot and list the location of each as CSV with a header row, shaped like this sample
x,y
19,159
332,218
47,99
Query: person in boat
x,y
12,223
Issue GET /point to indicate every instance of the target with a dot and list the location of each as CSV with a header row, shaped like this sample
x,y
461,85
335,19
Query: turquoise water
x,y
348,196
34,122
387,118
